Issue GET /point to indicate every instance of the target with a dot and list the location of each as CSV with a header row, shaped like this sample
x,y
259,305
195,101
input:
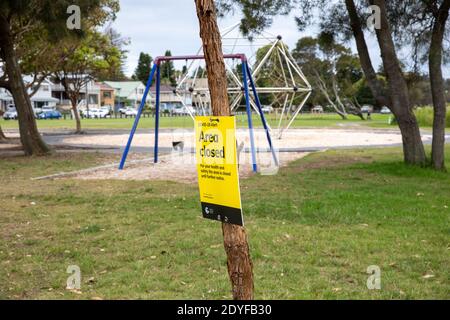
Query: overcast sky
x,y
154,26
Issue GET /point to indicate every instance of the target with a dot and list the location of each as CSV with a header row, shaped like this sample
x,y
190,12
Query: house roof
x,y
163,88
124,88
104,86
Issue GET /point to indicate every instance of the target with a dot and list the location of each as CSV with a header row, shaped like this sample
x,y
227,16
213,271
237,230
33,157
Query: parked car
x,y
184,110
317,109
54,114
108,110
385,110
267,109
366,109
96,113
131,112
10,114
124,109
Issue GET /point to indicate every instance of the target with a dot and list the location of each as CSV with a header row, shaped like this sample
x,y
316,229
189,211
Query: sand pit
x,y
181,167
292,139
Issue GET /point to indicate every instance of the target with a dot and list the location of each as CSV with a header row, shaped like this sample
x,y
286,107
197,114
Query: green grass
x,y
313,231
425,116
307,120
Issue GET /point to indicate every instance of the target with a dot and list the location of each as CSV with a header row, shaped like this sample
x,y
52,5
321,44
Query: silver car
x,y
11,114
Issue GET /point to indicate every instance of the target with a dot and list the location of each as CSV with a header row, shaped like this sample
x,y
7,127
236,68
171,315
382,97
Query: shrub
x,y
424,116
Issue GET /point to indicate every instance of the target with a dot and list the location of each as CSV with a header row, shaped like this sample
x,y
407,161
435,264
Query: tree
x,y
338,20
168,71
235,239
116,72
77,62
413,149
437,84
47,18
2,135
333,69
143,68
422,26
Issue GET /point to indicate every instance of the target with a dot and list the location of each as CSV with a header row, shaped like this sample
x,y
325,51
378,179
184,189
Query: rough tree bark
x,y
240,268
74,103
29,135
375,85
76,115
2,135
413,150
437,86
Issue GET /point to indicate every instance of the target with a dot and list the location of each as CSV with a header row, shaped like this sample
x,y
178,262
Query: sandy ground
x,y
181,167
295,138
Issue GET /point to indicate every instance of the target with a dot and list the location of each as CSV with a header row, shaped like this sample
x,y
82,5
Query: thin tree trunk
x,y
76,115
437,87
2,135
413,150
338,99
29,135
375,85
240,268
323,88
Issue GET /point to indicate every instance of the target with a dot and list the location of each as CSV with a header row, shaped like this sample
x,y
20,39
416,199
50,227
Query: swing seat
x,y
178,145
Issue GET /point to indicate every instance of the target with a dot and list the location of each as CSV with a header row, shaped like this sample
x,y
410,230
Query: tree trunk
x,y
29,135
437,87
323,88
375,85
76,115
240,268
413,150
2,135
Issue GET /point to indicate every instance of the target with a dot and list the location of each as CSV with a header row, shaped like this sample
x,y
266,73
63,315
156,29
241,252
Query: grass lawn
x,y
306,120
313,231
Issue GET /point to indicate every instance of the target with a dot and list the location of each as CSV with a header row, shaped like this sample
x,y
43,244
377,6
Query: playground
x,y
333,207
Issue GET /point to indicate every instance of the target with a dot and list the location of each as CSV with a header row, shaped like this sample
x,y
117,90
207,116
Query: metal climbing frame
x,y
247,78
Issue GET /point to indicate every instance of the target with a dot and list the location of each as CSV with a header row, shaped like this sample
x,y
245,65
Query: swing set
x,y
247,80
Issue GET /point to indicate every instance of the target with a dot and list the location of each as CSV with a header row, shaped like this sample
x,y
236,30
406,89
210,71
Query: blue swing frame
x,y
247,77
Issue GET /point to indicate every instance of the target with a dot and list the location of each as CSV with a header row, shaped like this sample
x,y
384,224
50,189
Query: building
x,y
107,95
90,96
168,99
130,93
42,97
127,93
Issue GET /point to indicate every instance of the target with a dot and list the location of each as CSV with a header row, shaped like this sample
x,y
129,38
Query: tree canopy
x,y
143,68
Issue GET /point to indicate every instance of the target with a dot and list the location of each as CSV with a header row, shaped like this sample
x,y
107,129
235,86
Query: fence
x,y
143,115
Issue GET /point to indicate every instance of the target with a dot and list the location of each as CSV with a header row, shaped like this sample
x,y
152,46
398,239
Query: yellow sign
x,y
217,167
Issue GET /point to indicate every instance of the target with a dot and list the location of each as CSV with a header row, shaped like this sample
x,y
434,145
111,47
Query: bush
x,y
424,116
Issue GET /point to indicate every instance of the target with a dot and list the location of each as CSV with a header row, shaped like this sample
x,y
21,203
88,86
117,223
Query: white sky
x,y
155,26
